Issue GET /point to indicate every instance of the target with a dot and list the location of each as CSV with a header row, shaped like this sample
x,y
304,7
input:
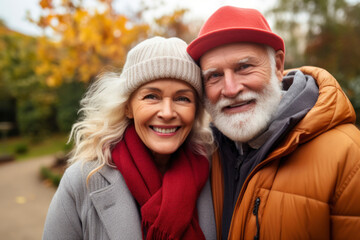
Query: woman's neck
x,y
162,161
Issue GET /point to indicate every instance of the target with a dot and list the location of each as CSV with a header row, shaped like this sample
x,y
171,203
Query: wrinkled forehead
x,y
233,53
238,48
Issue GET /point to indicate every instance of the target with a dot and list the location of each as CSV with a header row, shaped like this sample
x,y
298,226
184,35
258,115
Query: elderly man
x,y
288,159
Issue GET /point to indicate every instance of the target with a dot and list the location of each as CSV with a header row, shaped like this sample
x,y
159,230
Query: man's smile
x,y
239,106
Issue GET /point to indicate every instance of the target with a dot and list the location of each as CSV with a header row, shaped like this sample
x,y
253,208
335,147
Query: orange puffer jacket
x,y
309,186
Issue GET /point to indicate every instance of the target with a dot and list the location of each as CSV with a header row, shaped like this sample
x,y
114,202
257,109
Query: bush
x,y
7,110
69,96
354,92
68,147
34,116
48,174
21,148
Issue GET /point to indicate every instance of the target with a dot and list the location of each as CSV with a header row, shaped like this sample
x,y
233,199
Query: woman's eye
x,y
183,99
151,96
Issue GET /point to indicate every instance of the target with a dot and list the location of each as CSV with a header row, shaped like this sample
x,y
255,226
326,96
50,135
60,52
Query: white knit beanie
x,y
158,58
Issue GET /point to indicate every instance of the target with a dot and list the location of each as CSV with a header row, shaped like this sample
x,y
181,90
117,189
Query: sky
x,y
13,12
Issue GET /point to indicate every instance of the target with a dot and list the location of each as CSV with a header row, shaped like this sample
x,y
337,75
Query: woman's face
x,y
163,111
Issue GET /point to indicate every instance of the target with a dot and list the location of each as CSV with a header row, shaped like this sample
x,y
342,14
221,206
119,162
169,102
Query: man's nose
x,y
232,85
167,110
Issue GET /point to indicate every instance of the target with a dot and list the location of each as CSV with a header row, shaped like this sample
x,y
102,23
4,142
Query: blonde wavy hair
x,y
102,123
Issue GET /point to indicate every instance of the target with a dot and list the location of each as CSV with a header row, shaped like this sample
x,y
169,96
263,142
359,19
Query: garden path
x,y
24,200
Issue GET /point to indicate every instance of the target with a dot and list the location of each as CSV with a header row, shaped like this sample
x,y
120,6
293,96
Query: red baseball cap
x,y
232,24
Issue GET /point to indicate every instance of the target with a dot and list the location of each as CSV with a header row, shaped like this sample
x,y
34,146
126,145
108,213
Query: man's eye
x,y
213,77
243,66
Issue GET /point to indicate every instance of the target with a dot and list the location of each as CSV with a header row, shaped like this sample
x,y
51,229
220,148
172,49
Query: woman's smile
x,y
165,131
164,112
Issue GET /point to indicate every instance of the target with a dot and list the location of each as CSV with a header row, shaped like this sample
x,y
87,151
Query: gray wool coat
x,y
105,208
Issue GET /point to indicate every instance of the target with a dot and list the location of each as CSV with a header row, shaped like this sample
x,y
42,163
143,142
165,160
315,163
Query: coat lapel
x,y
116,207
119,213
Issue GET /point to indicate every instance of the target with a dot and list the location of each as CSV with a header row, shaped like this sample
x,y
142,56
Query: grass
x,y
46,146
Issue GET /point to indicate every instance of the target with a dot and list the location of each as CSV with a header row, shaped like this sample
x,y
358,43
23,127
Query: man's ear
x,y
128,112
279,62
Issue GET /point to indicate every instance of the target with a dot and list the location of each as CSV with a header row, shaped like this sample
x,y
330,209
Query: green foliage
x,y
67,147
7,103
354,93
48,145
26,99
42,79
323,33
335,47
69,96
21,148
17,62
35,115
54,177
7,110
298,21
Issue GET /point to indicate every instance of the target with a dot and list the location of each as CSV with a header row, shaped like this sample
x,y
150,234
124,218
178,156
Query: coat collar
x,y
118,210
115,205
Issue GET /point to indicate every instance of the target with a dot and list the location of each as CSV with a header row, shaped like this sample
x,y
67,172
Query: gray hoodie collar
x,y
299,92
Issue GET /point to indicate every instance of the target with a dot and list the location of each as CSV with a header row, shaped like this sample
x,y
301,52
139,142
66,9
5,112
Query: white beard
x,y
244,126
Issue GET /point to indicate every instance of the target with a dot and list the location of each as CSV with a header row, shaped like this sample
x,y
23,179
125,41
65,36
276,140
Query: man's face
x,y
242,89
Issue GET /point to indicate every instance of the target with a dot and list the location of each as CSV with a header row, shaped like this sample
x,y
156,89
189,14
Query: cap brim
x,y
231,35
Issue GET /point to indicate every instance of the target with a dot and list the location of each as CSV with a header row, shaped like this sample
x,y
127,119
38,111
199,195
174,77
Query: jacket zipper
x,y
253,172
255,212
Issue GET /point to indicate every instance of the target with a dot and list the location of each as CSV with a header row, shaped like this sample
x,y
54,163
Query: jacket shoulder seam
x,y
345,133
346,182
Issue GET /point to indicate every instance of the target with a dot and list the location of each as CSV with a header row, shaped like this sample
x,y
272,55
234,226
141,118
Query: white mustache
x,y
240,99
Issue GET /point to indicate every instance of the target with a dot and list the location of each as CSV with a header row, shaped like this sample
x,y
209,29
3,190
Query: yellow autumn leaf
x,y
46,4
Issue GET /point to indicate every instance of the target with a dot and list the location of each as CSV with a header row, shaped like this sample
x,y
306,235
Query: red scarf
x,y
167,203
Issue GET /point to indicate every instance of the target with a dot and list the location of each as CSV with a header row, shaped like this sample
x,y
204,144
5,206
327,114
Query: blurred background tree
x,y
87,42
84,41
25,100
323,33
42,79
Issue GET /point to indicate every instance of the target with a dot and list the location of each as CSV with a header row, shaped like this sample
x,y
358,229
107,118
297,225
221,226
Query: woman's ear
x,y
128,112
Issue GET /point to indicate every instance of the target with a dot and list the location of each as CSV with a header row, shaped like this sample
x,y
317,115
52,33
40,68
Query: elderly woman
x,y
139,168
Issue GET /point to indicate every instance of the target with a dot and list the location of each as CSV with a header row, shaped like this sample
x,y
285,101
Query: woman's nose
x,y
167,110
